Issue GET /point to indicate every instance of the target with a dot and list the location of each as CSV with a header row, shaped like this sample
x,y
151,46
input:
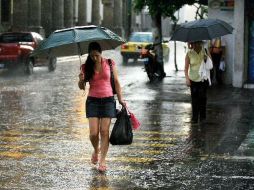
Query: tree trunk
x,y
157,35
176,67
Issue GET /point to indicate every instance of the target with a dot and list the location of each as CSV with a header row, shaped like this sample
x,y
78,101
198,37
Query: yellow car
x,y
138,40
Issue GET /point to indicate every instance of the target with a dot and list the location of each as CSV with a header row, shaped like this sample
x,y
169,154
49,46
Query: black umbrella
x,y
203,29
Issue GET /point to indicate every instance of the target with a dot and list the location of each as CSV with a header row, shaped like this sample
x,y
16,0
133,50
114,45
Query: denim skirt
x,y
101,107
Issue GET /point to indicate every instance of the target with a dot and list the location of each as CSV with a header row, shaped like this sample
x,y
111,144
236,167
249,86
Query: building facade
x,y
240,44
45,16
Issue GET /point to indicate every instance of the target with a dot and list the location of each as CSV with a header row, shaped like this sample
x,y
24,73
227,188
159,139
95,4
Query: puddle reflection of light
x,y
152,152
82,131
186,117
156,138
16,155
161,133
80,107
133,159
152,145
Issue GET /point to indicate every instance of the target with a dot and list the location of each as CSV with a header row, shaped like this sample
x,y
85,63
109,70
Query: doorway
x,y
249,6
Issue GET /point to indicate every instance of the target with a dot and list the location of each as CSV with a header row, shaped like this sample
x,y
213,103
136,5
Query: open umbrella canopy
x,y
203,29
75,41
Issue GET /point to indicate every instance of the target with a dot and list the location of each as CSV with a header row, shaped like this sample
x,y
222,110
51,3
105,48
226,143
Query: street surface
x,y
44,137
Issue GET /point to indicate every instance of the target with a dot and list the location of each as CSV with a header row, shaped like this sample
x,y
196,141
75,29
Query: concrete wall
x,y
239,49
89,11
227,16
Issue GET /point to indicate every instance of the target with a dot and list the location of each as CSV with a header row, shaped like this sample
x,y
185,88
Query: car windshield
x,y
15,38
141,37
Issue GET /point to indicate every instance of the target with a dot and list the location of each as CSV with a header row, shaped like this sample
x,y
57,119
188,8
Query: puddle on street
x,y
44,137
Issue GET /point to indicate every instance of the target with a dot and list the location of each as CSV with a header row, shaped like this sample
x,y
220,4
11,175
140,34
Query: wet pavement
x,y
44,142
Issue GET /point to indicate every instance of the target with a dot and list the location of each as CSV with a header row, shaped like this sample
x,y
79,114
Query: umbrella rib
x,y
75,40
74,35
79,48
227,29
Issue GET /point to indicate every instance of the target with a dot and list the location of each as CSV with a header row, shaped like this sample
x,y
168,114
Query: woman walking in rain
x,y
217,51
194,57
100,103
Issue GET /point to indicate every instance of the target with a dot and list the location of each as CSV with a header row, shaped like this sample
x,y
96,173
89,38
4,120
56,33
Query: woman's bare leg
x,y
104,133
94,133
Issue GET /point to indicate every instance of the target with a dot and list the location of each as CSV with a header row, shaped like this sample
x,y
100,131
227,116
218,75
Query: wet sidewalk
x,y
216,154
44,137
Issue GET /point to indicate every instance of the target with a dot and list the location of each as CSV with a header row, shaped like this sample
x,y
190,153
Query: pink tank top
x,y
100,86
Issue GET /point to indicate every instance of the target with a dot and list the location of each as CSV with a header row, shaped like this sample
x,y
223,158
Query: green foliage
x,y
166,8
201,12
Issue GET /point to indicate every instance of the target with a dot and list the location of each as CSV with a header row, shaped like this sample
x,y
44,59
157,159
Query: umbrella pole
x,y
79,53
79,60
176,67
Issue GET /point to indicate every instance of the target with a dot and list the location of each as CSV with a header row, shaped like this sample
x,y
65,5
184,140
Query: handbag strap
x,y
206,54
111,76
206,51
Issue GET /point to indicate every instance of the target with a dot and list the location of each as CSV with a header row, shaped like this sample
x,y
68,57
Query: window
x,y
15,38
141,37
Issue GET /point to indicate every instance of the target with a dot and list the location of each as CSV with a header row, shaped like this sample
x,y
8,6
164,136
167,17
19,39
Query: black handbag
x,y
122,130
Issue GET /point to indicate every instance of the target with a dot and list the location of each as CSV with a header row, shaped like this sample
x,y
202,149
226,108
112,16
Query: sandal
x,y
94,158
102,168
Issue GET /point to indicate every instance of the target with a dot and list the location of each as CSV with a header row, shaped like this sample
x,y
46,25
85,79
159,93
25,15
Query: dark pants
x,y
198,100
216,57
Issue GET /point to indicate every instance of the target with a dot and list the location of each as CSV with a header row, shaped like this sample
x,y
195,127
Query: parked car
x,y
16,49
137,41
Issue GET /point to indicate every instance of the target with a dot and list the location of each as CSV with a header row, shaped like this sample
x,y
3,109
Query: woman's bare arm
x,y
186,70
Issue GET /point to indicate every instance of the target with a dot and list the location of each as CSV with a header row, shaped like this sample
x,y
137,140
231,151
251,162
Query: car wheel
x,y
166,55
166,58
29,66
125,59
52,64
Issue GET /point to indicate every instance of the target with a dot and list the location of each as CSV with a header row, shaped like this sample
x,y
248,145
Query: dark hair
x,y
94,46
89,69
